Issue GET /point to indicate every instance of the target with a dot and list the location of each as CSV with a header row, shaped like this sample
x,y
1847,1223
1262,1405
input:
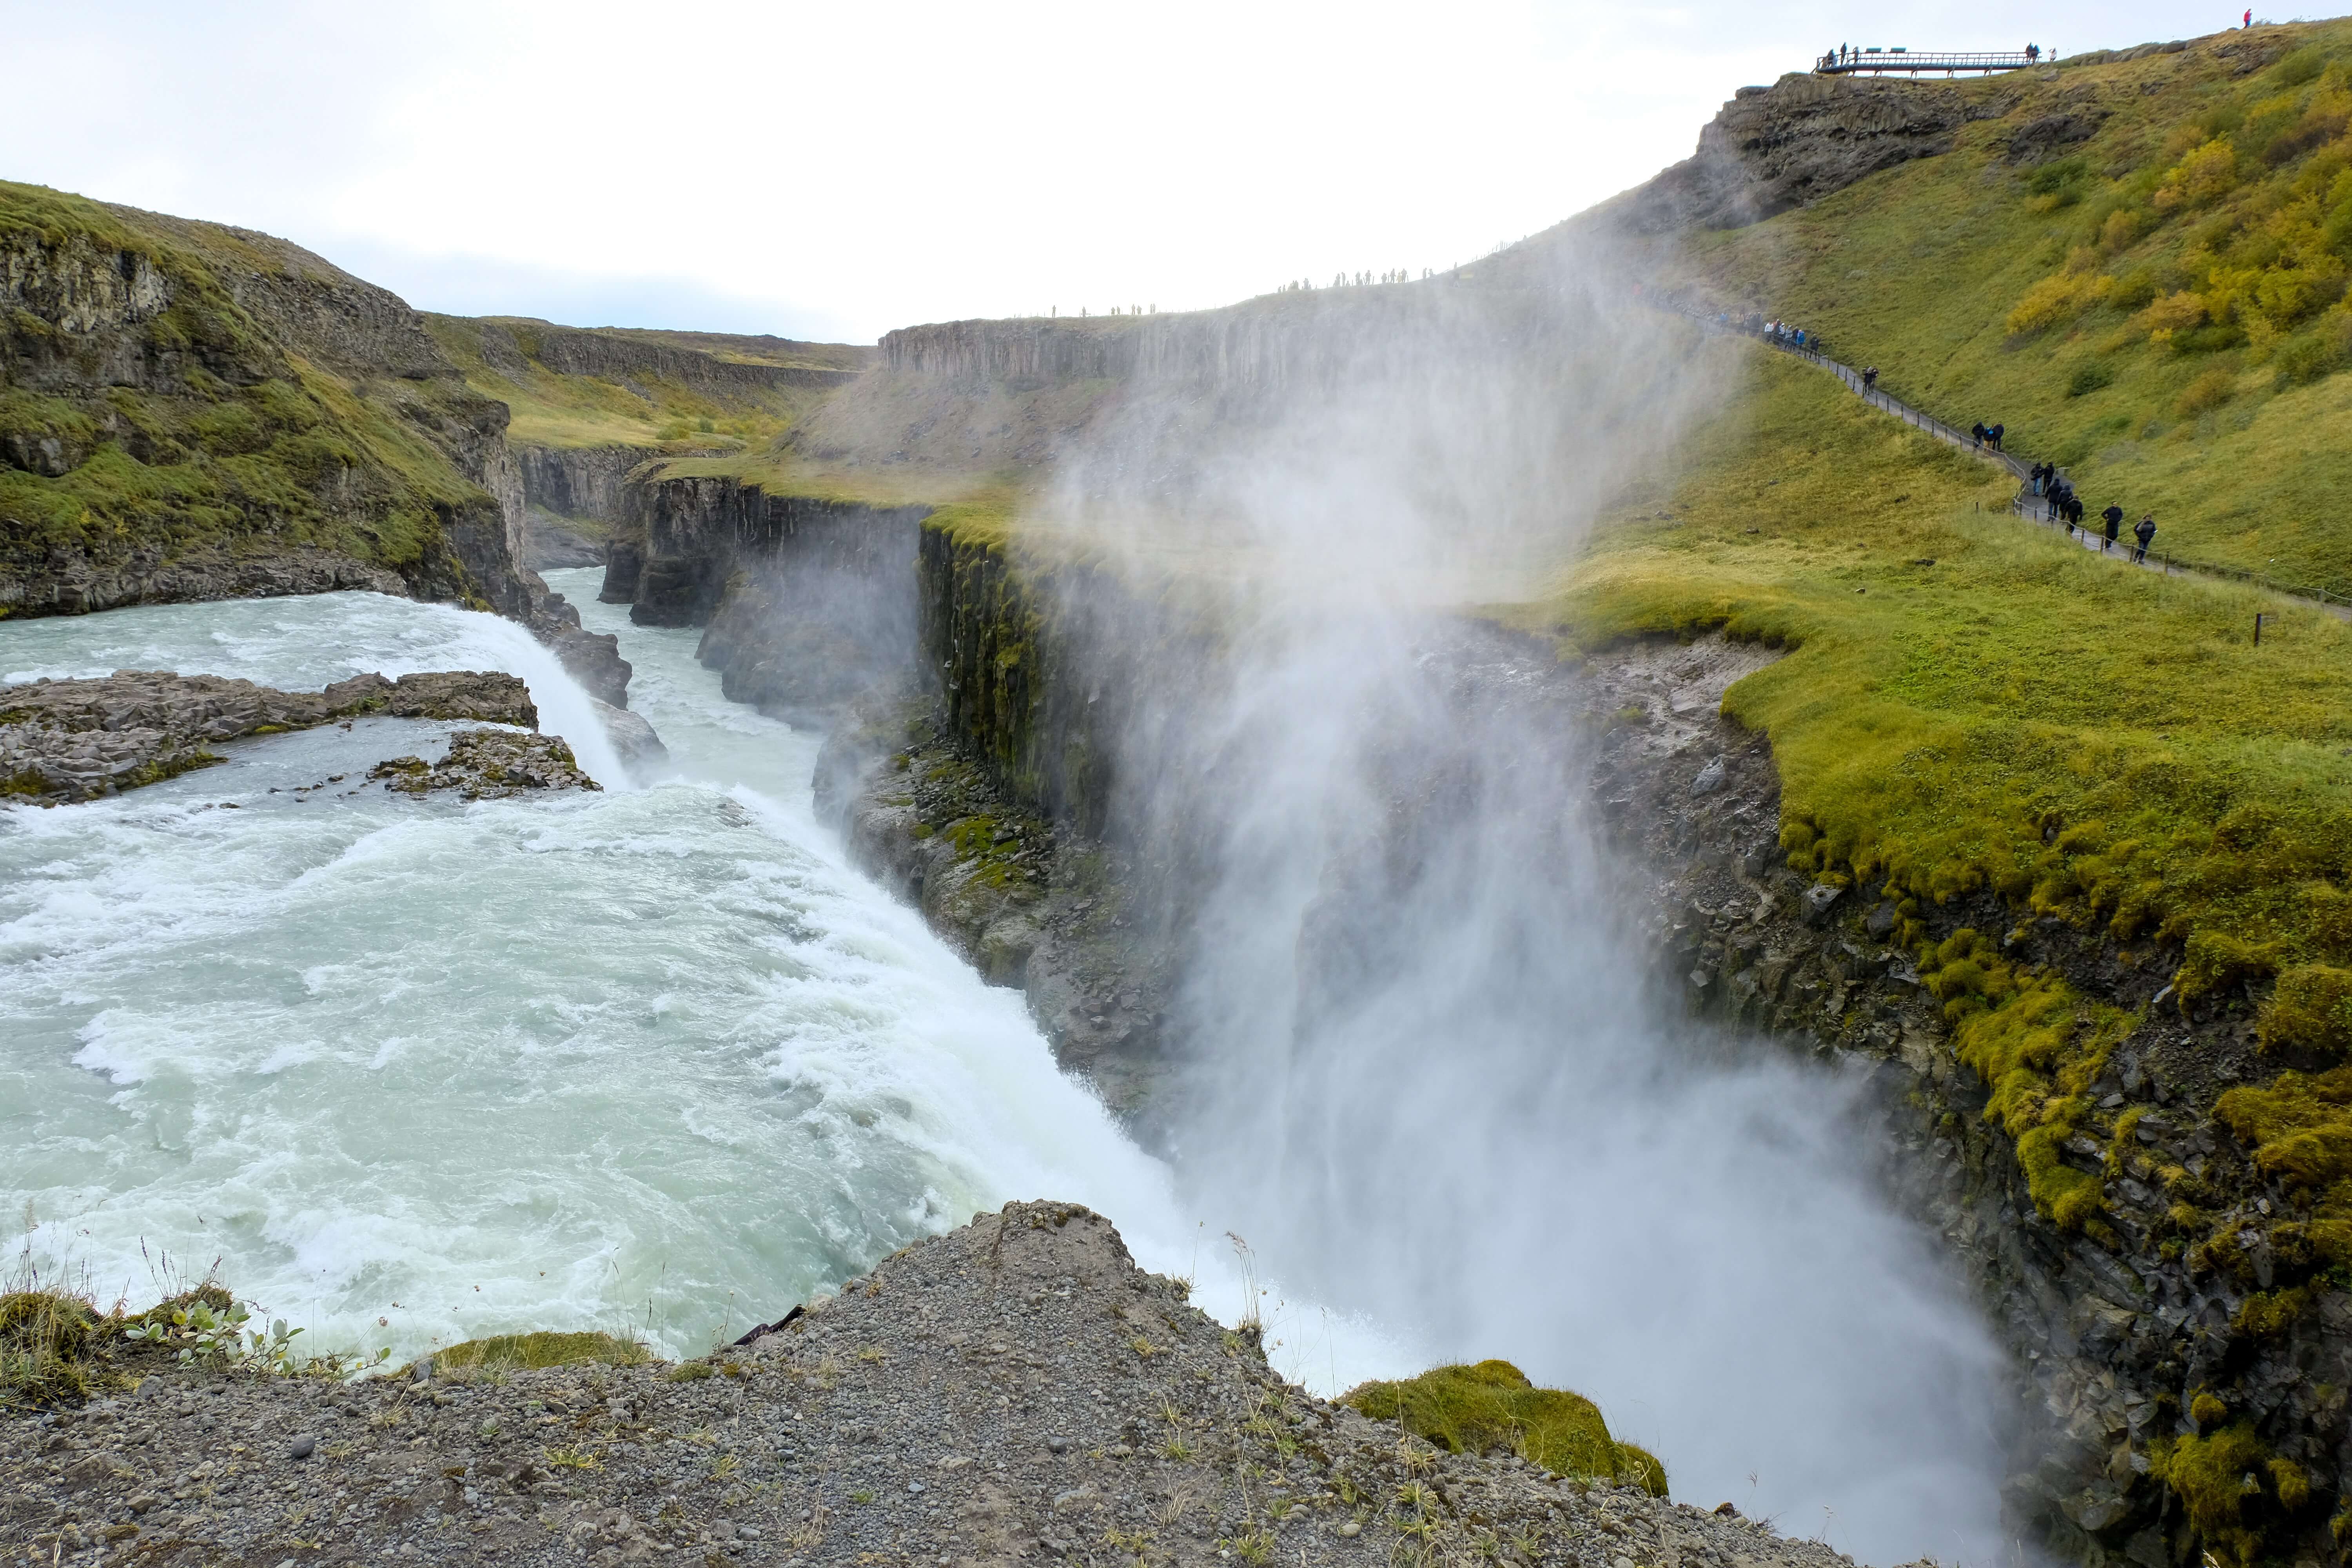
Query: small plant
x,y
1254,1546
198,1332
861,1496
1134,1543
572,1458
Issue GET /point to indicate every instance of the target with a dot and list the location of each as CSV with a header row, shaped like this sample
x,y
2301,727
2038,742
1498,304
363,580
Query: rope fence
x,y
2025,503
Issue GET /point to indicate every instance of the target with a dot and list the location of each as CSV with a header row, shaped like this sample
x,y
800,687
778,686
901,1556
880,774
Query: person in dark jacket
x,y
2114,516
1978,431
2074,511
1870,379
2143,531
1993,436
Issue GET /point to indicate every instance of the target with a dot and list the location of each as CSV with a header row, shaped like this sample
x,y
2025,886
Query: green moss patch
x,y
1492,1407
533,1352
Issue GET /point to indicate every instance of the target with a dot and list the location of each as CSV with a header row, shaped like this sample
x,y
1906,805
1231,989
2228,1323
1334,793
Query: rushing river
x,y
654,1061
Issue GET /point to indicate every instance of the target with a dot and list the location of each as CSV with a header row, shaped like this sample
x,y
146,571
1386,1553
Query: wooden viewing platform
x,y
1877,61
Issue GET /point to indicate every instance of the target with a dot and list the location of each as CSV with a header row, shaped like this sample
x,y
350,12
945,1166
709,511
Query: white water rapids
x,y
656,1060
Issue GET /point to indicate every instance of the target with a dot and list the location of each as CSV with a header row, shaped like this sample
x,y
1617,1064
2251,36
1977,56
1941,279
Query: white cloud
x,y
839,170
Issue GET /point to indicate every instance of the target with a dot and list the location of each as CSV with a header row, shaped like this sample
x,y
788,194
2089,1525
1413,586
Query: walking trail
x,y
2026,504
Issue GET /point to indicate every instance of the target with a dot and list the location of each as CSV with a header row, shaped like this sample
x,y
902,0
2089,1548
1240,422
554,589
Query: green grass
x,y
554,409
1971,706
2160,309
1492,1407
249,449
533,1352
2101,744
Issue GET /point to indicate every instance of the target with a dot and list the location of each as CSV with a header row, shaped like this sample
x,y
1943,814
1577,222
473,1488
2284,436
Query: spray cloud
x,y
1427,1074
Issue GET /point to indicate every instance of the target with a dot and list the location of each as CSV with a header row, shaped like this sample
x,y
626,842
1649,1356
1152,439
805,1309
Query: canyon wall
x,y
995,800
190,411
711,363
808,600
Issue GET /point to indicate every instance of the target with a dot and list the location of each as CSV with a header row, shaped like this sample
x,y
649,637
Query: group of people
x,y
1852,54
1987,435
1782,333
2061,504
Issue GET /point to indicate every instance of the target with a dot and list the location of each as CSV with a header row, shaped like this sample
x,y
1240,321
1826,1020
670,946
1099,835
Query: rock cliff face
x,y
809,601
1771,148
189,411
579,481
995,801
708,363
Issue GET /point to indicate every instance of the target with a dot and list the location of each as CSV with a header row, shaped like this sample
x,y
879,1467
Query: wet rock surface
x,y
63,741
1014,1391
1030,903
631,735
2113,1331
489,764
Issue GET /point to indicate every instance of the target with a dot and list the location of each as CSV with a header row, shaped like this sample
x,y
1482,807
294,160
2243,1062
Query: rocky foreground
x,y
1015,1390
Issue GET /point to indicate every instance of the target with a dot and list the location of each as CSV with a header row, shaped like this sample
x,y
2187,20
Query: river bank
x,y
1013,1390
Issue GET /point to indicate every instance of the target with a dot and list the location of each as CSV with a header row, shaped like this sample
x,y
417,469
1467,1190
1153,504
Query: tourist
x,y
1977,432
2115,517
2033,53
1993,436
2145,530
1870,379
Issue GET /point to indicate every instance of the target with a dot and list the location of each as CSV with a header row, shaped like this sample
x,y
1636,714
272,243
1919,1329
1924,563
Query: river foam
x,y
656,1060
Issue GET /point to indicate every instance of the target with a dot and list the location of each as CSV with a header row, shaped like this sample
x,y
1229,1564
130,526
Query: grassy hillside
x,y
156,398
2160,305
1972,704
640,401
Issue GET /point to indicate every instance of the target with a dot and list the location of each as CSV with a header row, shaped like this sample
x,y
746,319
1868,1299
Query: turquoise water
x,y
654,1061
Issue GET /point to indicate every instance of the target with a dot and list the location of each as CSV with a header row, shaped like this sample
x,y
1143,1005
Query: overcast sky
x,y
834,171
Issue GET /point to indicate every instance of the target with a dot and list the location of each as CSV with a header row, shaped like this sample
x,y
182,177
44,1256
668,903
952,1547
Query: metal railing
x,y
1881,62
2025,503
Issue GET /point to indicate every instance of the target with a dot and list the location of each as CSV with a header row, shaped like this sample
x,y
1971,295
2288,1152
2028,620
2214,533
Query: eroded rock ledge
x,y
1014,1391
78,740
489,764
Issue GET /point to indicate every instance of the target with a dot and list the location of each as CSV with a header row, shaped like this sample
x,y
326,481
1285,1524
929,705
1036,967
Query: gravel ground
x,y
1015,1390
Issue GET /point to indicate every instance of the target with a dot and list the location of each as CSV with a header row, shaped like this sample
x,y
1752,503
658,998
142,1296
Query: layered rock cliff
x,y
189,411
998,801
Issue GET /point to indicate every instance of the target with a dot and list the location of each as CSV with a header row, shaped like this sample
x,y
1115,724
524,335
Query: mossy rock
x,y
1492,1407
532,1352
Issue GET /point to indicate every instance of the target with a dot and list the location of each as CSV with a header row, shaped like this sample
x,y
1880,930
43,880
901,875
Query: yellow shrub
x,y
2052,301
2170,314
2205,175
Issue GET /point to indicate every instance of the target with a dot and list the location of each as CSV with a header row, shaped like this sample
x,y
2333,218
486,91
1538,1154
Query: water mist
x,y
1430,1077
